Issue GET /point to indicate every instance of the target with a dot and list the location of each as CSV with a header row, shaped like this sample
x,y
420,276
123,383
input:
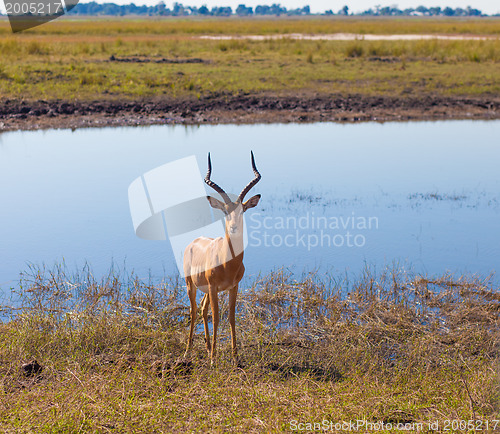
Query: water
x,y
334,197
348,37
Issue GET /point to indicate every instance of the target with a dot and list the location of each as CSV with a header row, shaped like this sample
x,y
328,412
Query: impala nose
x,y
233,229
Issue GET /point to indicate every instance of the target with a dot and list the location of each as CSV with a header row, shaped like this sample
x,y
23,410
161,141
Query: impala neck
x,y
234,242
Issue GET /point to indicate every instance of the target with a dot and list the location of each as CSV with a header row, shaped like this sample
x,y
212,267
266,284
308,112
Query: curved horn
x,y
251,183
213,184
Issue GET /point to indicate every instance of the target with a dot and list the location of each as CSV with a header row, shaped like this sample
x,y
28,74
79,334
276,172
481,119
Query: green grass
x,y
70,59
395,348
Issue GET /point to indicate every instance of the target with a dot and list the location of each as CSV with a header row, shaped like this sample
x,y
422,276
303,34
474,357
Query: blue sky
x,y
487,6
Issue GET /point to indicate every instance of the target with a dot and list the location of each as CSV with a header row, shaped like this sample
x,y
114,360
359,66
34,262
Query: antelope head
x,y
233,211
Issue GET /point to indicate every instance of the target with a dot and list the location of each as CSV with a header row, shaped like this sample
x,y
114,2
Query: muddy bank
x,y
243,108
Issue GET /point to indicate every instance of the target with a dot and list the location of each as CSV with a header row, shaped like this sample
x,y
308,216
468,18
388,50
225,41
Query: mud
x,y
242,108
162,60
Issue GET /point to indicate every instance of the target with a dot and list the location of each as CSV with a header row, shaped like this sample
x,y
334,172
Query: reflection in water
x,y
334,197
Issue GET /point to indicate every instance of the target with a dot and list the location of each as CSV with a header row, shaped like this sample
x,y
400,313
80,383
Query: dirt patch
x,y
241,108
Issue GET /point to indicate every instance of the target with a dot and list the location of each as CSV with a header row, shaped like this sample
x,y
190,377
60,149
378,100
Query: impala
x,y
215,265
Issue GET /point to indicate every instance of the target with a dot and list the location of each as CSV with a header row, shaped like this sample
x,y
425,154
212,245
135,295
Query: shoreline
x,y
244,108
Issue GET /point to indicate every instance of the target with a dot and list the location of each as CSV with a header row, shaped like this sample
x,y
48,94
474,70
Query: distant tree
x,y
161,8
344,11
178,10
277,9
262,10
473,12
203,10
222,11
243,11
390,11
306,10
449,12
111,9
423,10
435,11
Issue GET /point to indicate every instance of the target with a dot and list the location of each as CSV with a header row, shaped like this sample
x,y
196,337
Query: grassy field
x,y
70,59
393,348
265,26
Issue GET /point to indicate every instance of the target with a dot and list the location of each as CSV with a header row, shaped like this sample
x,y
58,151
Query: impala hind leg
x,y
205,304
191,290
233,292
214,301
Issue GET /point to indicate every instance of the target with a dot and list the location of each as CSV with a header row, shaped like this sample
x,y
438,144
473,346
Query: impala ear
x,y
250,203
217,204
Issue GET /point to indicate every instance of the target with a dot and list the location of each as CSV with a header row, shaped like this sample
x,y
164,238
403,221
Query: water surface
x,y
429,189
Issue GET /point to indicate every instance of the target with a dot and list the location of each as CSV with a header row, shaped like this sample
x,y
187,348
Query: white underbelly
x,y
204,288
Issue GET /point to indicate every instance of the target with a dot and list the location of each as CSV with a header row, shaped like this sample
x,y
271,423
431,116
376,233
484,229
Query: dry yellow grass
x,y
393,348
263,26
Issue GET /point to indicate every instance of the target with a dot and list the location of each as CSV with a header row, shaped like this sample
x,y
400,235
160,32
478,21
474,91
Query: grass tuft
x,y
354,50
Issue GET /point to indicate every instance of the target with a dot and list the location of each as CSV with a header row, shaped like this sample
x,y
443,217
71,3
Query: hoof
x,y
32,368
182,367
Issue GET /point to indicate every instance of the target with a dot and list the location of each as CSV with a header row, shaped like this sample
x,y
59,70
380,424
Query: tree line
x,y
178,9
242,10
424,11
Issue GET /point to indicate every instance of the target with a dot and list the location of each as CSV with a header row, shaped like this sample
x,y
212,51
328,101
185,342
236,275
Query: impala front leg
x,y
191,290
214,301
205,304
233,292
